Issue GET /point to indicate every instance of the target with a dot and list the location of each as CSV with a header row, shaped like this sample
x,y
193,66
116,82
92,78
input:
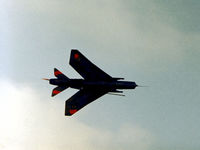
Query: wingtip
x,y
74,49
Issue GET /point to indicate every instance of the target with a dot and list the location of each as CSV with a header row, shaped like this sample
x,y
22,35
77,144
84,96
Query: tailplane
x,y
58,89
59,74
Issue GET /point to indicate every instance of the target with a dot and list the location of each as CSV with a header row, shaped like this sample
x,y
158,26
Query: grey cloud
x,y
155,43
28,122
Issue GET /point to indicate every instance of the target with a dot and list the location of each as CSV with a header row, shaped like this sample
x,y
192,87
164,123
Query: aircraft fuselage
x,y
80,84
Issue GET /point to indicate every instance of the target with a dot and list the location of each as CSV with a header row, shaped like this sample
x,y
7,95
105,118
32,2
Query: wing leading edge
x,y
86,68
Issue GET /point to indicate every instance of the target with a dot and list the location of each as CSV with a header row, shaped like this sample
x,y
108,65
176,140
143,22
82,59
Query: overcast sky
x,y
151,42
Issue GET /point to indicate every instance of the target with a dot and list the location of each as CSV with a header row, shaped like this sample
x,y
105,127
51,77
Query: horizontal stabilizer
x,y
58,89
59,74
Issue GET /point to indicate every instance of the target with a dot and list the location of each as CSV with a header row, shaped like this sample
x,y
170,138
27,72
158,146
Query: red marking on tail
x,y
76,56
72,111
57,73
56,92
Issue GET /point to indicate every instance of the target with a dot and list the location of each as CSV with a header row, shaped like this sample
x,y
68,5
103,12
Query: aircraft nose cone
x,y
134,85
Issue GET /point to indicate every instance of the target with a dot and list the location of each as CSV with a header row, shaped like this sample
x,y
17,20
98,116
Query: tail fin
x,y
58,89
59,74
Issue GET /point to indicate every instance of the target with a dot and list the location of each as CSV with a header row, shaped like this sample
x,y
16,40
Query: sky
x,y
151,42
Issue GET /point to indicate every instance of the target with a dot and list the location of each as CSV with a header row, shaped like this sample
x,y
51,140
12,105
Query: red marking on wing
x,y
56,92
72,111
57,73
76,56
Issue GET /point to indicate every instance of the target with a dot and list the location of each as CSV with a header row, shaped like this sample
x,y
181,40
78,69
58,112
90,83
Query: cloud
x,y
147,40
30,122
132,30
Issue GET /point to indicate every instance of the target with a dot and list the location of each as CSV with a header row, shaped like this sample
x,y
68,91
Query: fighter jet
x,y
95,83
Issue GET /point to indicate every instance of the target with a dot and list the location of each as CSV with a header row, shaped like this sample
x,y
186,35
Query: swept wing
x,y
86,68
81,99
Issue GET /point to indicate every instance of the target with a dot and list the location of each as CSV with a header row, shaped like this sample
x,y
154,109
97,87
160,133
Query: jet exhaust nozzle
x,y
45,79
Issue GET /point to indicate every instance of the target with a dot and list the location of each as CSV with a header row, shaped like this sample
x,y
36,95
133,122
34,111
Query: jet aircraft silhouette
x,y
95,83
